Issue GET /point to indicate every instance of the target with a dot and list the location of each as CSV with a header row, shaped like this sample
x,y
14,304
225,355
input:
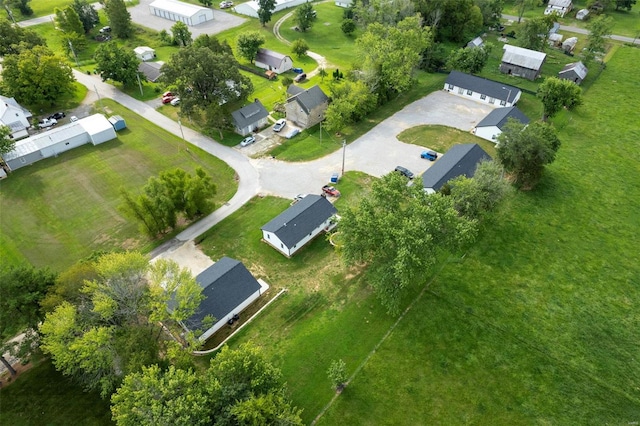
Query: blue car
x,y
297,70
429,155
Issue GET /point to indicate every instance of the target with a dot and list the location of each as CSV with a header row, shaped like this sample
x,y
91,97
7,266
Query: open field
x,y
60,210
442,138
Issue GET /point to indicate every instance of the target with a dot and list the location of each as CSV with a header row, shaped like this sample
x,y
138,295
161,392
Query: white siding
x,y
222,321
66,145
481,97
273,240
489,133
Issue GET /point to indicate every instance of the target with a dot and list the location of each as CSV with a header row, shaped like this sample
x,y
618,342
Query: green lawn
x,y
59,210
442,138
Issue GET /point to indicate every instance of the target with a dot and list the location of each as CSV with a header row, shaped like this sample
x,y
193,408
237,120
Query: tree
x,y
181,34
87,14
337,373
470,60
599,29
117,63
36,76
299,47
170,285
7,143
212,43
398,232
385,12
461,20
389,55
322,73
248,44
119,18
154,397
14,39
266,409
351,102
625,4
556,94
69,23
522,6
535,32
348,27
22,5
304,16
476,196
207,3
68,284
491,11
524,151
434,58
265,10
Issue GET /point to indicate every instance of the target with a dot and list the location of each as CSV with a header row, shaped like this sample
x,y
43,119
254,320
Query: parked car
x,y
429,155
73,119
247,141
404,172
298,198
226,4
300,77
279,125
175,101
297,70
168,98
47,122
292,133
57,115
105,30
165,94
331,191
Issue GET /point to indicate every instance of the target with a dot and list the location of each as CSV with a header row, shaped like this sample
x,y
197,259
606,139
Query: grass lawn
x,y
60,210
441,138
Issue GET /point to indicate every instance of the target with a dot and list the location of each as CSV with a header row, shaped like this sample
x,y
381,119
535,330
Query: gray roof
x,y
310,98
461,159
225,285
151,70
499,116
525,58
301,219
560,3
554,29
576,67
490,88
270,57
476,42
293,90
249,114
12,101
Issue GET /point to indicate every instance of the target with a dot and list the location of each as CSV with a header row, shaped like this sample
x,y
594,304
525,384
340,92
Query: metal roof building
x,y
522,62
174,10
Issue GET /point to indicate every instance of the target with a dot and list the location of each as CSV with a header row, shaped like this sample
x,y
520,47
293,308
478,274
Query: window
x,y
268,236
460,90
22,160
491,100
66,143
503,103
483,97
451,87
281,245
469,92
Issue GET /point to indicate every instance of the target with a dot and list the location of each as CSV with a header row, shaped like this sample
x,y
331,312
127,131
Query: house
x,y
94,129
151,70
582,14
460,160
491,126
560,7
575,72
344,3
228,288
144,53
569,44
250,8
306,108
250,118
273,61
476,42
14,117
302,222
522,62
481,89
174,10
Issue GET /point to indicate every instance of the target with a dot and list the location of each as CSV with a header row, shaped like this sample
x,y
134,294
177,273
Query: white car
x,y
46,122
279,125
247,141
175,101
225,4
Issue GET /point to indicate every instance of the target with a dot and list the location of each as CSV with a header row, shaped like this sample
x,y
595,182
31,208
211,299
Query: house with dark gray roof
x,y
575,72
302,222
491,126
306,107
460,160
151,70
481,89
250,118
228,288
273,61
522,62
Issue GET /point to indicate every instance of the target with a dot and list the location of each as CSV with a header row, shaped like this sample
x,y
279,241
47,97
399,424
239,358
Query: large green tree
x,y
299,47
68,285
304,16
470,60
7,143
14,39
522,6
385,12
556,93
248,43
69,23
87,14
181,34
460,20
399,232
534,33
117,63
524,151
491,11
599,28
351,102
36,76
119,18
265,10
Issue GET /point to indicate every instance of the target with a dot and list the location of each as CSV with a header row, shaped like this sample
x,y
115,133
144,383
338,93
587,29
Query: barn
x,y
273,61
575,72
174,10
522,62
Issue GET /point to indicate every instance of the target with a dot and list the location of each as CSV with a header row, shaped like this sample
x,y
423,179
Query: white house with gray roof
x,y
491,126
575,72
14,117
306,107
481,89
560,7
460,160
522,62
250,117
302,222
273,61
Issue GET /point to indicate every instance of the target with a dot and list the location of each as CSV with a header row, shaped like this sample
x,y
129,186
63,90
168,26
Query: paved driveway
x,y
377,152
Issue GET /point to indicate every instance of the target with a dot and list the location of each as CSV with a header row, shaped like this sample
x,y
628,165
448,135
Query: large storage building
x,y
174,10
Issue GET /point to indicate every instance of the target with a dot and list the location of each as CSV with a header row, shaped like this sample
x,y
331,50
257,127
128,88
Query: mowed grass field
x,y
59,210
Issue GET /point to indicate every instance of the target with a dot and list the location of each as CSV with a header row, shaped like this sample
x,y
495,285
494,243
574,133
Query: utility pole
x,y
182,133
99,99
74,53
139,84
344,150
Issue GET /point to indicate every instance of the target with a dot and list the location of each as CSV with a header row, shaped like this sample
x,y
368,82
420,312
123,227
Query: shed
x,y
228,288
302,222
117,122
476,42
174,10
481,89
491,126
98,128
575,72
555,39
522,62
460,160
151,70
569,44
306,107
144,53
582,14
273,61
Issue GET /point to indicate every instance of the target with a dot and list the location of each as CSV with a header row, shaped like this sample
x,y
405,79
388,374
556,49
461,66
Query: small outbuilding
x,y
575,72
522,62
273,61
250,118
228,288
460,160
306,107
299,224
491,126
145,53
481,89
476,42
174,10
151,70
117,122
569,44
582,14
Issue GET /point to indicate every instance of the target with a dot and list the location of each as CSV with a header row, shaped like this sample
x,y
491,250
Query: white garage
x,y
174,10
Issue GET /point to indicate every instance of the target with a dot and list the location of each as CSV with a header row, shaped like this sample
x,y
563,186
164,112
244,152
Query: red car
x,y
330,191
167,97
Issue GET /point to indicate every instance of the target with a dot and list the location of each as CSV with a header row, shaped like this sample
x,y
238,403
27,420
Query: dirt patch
x,y
6,379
